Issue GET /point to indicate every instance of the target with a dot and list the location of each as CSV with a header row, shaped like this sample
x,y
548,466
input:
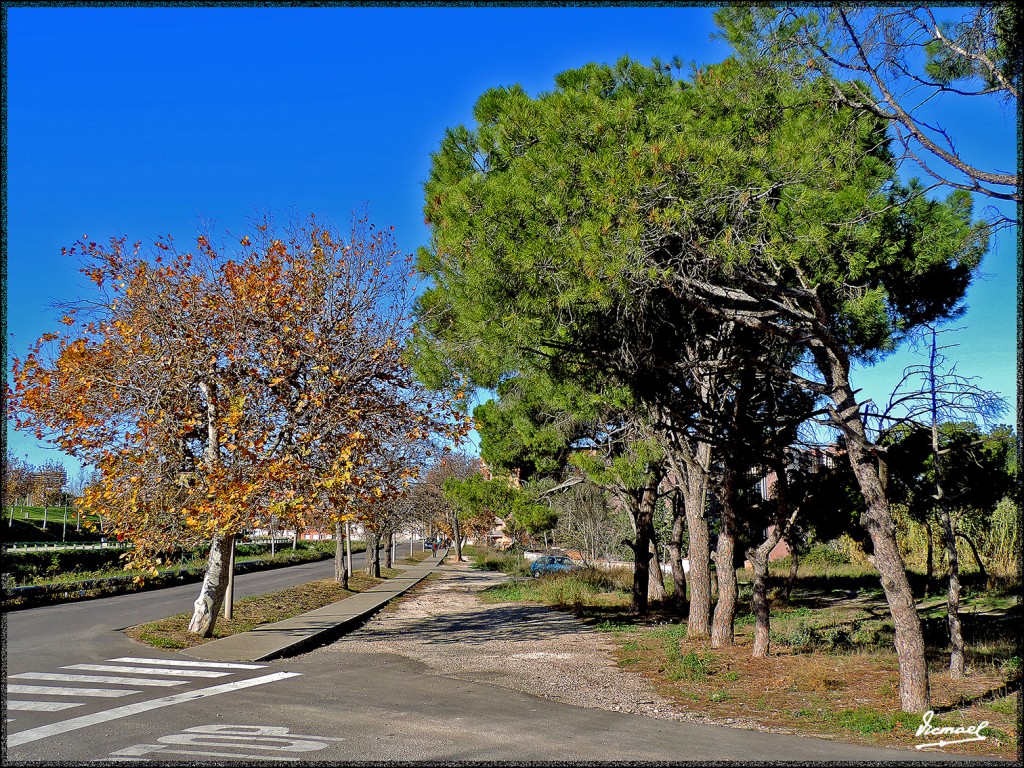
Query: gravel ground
x,y
527,648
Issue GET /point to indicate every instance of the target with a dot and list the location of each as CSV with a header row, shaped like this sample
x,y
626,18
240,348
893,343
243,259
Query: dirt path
x,y
527,648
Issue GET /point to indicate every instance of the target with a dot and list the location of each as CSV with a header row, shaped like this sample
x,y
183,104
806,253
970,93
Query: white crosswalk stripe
x,y
143,672
107,693
179,663
147,670
42,706
145,681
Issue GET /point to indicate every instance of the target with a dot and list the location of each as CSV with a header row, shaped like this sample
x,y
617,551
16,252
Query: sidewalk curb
x,y
305,631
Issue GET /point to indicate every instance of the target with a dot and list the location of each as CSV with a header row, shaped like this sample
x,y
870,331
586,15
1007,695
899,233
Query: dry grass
x,y
848,696
415,557
251,612
832,671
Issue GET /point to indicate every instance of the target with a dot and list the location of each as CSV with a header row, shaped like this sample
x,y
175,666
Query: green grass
x,y
863,720
673,632
157,640
414,558
51,513
21,530
561,591
517,591
1004,706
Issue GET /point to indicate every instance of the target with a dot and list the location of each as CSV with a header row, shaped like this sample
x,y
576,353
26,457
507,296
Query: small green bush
x,y
691,666
833,637
504,562
799,637
1012,668
822,555
569,589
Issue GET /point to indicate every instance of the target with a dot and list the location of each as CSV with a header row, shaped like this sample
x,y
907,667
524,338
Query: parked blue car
x,y
551,564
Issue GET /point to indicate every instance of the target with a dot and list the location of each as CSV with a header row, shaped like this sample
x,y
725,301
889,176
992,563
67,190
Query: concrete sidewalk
x,y
284,638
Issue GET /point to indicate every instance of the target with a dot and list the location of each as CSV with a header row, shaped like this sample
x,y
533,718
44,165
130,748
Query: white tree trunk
x,y
211,597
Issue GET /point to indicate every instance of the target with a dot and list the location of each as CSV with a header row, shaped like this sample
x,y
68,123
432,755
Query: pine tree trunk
x,y
655,579
641,566
914,694
722,624
794,567
759,561
699,551
956,635
211,596
642,511
759,556
977,557
759,602
675,553
930,561
457,539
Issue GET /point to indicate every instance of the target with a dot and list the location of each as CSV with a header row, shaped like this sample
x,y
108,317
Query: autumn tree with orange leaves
x,y
215,387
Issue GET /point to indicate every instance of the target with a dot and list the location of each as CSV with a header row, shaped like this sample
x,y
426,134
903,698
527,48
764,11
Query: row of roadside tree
x,y
667,279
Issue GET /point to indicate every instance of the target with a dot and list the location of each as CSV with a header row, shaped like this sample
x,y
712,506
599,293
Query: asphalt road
x,y
368,707
92,628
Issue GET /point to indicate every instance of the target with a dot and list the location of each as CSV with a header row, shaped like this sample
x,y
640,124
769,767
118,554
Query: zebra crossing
x,y
115,678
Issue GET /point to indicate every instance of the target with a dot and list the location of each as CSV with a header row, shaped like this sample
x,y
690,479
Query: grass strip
x,y
251,612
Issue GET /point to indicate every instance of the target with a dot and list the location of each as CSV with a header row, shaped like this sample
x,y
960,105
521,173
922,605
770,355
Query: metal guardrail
x,y
267,540
67,588
35,546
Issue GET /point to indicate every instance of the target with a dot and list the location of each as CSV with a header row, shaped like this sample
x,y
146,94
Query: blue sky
x,y
143,121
